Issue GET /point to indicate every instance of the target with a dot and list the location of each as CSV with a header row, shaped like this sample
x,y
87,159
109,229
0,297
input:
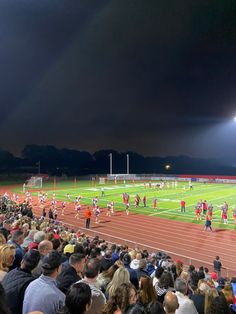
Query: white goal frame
x,y
33,183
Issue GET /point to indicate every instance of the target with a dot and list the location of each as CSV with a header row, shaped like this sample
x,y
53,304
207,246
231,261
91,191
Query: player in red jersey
x,y
198,212
210,211
154,203
182,206
204,207
144,201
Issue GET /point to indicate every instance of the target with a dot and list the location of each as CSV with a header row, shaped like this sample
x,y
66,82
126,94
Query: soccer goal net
x,y
33,183
102,180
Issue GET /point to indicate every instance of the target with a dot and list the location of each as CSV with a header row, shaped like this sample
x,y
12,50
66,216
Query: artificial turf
x,y
168,199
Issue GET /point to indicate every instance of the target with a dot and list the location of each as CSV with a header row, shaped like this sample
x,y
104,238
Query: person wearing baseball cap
x,y
42,294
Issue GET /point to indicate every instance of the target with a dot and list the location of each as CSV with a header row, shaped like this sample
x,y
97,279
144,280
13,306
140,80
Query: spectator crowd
x,y
46,267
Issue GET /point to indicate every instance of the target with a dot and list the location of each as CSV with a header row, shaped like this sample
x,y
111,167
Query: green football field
x,y
168,199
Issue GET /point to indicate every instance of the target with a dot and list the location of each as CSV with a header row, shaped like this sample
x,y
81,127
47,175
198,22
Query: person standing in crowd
x,y
3,302
7,255
124,297
91,272
217,265
16,281
185,304
133,274
17,240
50,214
44,248
171,303
78,299
88,215
71,273
44,288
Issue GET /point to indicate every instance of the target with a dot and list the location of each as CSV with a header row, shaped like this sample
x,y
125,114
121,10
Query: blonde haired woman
x,y
121,275
7,256
209,297
2,239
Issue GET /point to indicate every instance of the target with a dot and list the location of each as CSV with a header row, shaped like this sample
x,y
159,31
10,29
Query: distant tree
x,y
7,160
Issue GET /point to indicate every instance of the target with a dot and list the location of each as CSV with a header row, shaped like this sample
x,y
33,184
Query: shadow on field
x,y
96,227
220,230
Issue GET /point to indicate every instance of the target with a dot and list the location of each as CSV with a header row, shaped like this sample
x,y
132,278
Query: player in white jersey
x,y
77,208
97,214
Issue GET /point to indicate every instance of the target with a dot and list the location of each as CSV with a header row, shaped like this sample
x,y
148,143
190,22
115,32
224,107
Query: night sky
x,y
156,77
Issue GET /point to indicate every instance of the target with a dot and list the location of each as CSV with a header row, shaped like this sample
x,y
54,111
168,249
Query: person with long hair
x,y
147,292
105,277
123,298
158,272
199,298
209,297
228,293
78,299
121,276
165,284
219,305
2,239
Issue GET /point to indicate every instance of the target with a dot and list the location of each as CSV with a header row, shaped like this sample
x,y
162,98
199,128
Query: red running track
x,y
181,240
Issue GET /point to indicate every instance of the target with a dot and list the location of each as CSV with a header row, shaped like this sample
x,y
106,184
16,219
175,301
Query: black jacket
x,y
105,263
66,278
15,283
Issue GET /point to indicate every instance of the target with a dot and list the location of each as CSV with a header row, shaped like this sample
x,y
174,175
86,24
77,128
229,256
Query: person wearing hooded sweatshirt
x,y
133,274
17,280
135,262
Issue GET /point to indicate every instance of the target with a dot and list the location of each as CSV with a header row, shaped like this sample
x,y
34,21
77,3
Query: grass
x,y
168,199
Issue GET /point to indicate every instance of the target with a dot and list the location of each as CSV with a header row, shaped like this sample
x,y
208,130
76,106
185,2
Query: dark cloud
x,y
130,75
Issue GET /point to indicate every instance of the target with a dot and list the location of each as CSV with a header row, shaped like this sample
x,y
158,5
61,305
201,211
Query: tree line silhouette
x,y
64,161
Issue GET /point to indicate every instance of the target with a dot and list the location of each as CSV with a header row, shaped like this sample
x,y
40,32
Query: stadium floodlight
x,y
167,167
235,119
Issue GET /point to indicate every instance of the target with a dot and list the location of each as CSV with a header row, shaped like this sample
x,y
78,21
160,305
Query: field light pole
x,y
110,155
127,156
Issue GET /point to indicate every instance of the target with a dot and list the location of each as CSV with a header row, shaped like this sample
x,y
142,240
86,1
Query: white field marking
x,y
114,187
168,200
